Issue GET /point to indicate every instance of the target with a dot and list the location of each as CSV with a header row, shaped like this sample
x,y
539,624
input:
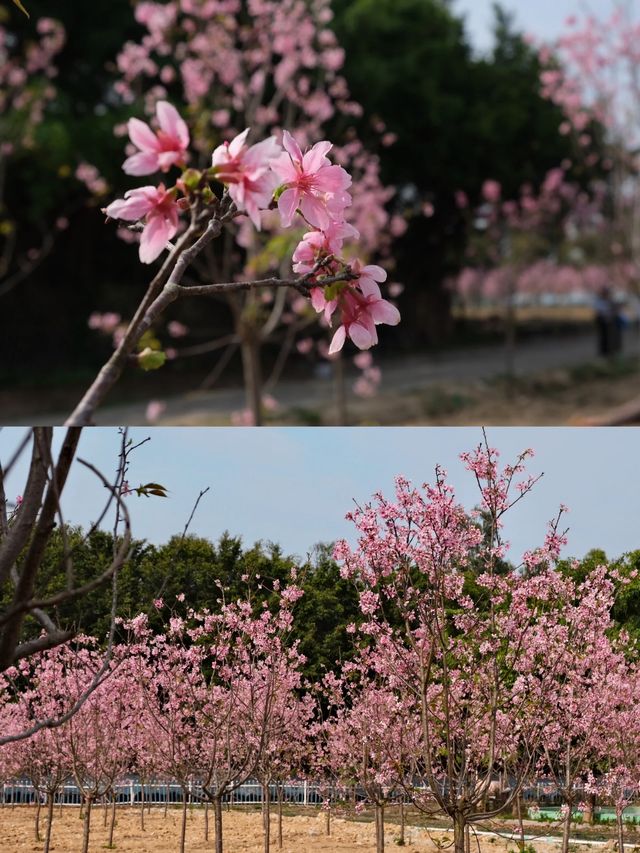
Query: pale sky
x,y
294,486
542,18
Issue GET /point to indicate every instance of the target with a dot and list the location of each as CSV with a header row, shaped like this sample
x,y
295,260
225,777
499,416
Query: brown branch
x,y
104,670
13,543
158,298
43,529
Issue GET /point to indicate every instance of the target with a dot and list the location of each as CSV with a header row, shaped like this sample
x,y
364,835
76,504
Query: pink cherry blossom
x,y
491,191
161,150
362,309
329,241
311,183
247,171
159,209
154,410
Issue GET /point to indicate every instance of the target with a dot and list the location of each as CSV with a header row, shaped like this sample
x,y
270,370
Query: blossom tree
x,y
591,73
576,736
240,715
535,245
166,678
41,757
216,689
368,746
618,752
286,745
266,66
480,667
27,87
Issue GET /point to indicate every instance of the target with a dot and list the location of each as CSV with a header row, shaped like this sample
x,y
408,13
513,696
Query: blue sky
x,y
542,18
294,486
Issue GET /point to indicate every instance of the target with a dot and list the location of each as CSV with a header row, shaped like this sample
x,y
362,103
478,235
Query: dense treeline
x,y
205,573
459,119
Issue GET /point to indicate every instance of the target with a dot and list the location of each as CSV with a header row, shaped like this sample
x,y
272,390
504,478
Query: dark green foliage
x,y
460,120
207,574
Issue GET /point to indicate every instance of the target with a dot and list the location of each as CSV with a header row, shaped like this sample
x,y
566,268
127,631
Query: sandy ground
x,y
243,832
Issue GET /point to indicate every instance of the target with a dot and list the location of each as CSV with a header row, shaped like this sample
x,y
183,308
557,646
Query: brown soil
x,y
243,832
551,399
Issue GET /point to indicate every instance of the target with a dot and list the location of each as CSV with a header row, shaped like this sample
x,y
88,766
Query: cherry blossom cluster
x,y
258,177
36,62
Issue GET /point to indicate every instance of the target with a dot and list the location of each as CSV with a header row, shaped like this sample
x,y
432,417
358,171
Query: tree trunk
x,y
266,813
401,839
142,806
510,338
520,822
166,800
620,828
37,821
183,825
328,818
379,828
459,827
280,798
87,825
252,377
206,821
566,830
590,809
217,806
47,837
112,824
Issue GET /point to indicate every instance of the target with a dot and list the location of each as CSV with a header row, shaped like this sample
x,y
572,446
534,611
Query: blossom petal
x,y
337,342
332,179
314,211
172,123
369,288
361,336
384,312
261,154
287,205
375,272
316,157
238,142
291,147
142,136
317,299
134,207
166,159
157,233
285,169
142,163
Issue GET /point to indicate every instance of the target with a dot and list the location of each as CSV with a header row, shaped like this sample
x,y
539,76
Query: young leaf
x,y
21,7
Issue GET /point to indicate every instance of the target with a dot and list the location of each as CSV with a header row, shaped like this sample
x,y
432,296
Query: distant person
x,y
608,324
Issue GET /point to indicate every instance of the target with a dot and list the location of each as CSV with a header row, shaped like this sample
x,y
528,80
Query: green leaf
x,y
21,7
151,489
150,359
191,179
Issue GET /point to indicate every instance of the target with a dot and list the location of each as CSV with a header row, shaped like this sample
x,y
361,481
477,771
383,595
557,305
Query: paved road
x,y
411,374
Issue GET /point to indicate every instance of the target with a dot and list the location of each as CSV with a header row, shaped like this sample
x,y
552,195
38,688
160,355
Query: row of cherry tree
x,y
459,689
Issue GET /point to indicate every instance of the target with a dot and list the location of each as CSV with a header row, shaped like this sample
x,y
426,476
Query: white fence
x,y
131,791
